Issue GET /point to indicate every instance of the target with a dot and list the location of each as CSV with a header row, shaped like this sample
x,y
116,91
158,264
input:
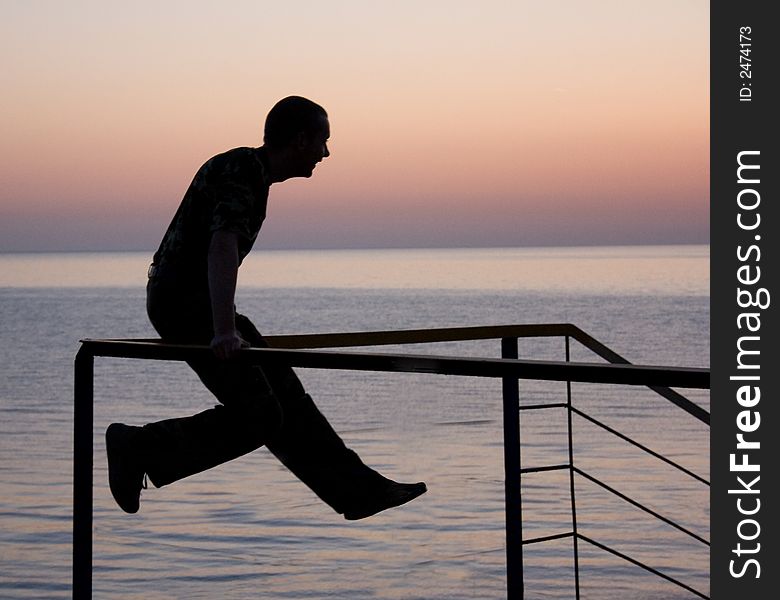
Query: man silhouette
x,y
190,300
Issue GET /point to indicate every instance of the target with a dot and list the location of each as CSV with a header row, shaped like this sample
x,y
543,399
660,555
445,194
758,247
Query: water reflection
x,y
667,270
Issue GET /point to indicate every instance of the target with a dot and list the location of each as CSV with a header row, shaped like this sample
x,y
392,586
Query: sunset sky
x,y
454,124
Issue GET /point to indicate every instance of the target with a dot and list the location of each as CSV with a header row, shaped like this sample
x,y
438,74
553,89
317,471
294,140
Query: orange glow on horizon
x,y
497,112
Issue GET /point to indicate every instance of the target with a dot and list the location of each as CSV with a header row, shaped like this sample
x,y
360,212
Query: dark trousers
x,y
257,406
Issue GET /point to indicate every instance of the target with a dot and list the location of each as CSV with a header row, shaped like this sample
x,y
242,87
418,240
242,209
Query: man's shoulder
x,y
233,163
241,156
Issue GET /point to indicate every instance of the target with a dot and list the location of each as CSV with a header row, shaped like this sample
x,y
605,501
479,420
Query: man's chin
x,y
305,172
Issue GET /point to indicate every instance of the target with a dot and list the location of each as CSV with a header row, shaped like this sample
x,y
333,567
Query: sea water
x,y
249,529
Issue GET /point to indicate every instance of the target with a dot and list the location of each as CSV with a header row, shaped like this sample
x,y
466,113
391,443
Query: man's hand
x,y
226,345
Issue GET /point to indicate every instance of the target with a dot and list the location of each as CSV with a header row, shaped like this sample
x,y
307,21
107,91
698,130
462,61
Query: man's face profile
x,y
312,148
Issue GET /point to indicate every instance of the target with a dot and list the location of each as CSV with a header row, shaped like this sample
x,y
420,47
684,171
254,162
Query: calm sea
x,y
249,529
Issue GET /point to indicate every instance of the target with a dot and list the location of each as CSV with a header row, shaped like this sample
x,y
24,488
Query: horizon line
x,y
378,248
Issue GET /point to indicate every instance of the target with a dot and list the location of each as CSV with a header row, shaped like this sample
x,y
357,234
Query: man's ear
x,y
301,140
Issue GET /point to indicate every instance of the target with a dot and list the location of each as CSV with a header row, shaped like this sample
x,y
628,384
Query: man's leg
x,y
309,447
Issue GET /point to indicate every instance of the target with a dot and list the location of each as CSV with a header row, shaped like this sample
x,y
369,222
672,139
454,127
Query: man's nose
x,y
325,151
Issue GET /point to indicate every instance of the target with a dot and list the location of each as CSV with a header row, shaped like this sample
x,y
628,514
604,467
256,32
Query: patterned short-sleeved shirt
x,y
229,192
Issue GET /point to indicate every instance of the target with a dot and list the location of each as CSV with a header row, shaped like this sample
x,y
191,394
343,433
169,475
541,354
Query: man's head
x,y
296,132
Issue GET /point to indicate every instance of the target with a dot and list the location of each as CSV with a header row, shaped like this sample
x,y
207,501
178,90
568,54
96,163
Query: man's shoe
x,y
125,472
389,495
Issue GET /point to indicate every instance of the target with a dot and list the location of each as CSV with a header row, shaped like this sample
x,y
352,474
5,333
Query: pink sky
x,y
454,123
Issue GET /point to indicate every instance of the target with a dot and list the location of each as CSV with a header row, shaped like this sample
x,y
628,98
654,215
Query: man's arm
x,y
223,274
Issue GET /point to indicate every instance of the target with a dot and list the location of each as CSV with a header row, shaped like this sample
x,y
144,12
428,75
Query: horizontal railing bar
x,y
548,538
543,469
392,337
640,446
541,406
418,336
412,363
641,565
641,506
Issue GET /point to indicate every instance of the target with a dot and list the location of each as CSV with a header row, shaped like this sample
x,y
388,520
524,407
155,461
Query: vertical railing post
x,y
571,482
512,491
82,475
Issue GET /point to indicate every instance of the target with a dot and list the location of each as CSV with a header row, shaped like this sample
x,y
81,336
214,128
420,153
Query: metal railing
x,y
306,351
